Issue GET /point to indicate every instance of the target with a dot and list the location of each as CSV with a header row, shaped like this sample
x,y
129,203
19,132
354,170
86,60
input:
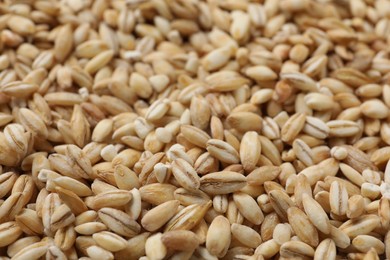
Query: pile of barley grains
x,y
194,129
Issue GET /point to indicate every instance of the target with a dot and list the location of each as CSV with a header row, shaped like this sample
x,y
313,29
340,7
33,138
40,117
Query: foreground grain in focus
x,y
175,129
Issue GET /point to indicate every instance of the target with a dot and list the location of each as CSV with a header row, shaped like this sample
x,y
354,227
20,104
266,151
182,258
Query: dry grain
x,y
194,129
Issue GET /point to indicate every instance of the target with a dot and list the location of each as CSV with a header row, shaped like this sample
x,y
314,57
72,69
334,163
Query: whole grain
x,y
204,129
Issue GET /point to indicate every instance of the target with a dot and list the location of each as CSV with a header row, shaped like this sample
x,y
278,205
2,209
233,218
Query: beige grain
x,y
224,182
182,240
195,135
218,236
281,202
316,214
96,252
9,232
109,241
90,228
360,226
292,127
296,249
188,217
158,216
245,121
225,81
248,208
185,174
302,226
119,222
281,233
34,251
187,197
246,235
194,129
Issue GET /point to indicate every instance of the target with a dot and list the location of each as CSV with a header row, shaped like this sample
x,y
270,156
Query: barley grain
x,y
218,236
226,129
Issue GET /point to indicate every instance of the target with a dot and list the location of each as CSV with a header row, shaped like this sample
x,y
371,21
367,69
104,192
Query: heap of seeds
x,y
190,129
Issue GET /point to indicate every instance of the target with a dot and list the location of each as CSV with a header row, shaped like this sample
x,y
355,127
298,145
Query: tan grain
x,y
194,129
218,236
